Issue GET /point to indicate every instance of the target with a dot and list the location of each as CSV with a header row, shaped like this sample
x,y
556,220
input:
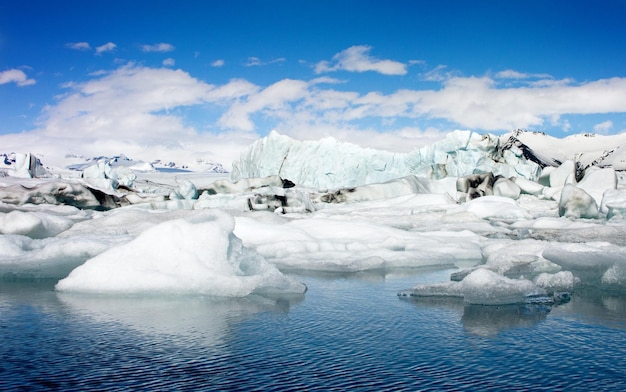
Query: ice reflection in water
x,y
203,320
348,331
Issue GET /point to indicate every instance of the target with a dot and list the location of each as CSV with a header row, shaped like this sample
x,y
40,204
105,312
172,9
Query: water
x,y
346,332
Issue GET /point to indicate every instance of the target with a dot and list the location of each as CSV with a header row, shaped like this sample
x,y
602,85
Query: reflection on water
x,y
490,320
193,318
483,320
347,332
595,306
598,307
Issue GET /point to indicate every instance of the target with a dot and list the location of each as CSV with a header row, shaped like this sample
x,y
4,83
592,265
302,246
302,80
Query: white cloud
x,y
217,63
567,126
108,47
357,59
78,45
603,127
134,108
161,47
440,73
469,102
125,100
169,62
140,112
512,74
16,76
255,61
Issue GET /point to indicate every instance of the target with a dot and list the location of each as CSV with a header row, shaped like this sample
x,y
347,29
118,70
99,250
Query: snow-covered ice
x,y
516,228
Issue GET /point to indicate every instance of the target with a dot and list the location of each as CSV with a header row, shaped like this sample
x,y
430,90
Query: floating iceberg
x,y
196,255
486,287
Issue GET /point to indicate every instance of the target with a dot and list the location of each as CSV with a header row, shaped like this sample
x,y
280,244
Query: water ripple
x,y
347,334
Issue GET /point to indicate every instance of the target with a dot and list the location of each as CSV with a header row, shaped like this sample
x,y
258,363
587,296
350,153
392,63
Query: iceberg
x,y
22,166
577,203
196,255
484,287
330,164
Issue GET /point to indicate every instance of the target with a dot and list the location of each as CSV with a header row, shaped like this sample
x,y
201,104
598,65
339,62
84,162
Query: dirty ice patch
x,y
195,255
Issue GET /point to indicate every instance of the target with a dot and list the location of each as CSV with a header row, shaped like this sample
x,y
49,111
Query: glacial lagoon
x,y
349,331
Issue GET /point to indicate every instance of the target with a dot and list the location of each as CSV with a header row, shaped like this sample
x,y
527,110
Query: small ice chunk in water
x,y
560,281
489,288
483,287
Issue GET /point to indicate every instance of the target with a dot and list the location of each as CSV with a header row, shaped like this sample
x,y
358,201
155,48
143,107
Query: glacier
x,y
329,164
519,219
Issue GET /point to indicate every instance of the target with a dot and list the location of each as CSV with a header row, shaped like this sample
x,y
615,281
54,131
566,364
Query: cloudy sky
x,y
152,79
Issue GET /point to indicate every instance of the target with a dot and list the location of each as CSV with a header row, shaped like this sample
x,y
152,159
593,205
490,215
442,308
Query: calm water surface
x,y
346,332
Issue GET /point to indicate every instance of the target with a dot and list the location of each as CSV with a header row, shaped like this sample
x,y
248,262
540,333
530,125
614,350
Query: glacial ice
x,y
330,164
483,287
597,181
21,165
349,244
516,232
33,224
576,203
196,255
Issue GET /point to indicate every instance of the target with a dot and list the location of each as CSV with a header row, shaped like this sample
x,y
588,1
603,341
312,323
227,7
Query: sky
x,y
204,79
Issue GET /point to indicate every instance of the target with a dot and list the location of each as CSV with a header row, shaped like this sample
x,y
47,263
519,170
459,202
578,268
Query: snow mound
x,y
196,255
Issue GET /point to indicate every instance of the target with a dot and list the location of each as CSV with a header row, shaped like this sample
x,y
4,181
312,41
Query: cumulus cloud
x,y
357,59
78,45
128,99
137,111
161,47
108,47
603,127
469,102
217,63
16,76
133,108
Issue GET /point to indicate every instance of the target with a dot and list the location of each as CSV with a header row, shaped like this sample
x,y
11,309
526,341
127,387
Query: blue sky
x,y
215,75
